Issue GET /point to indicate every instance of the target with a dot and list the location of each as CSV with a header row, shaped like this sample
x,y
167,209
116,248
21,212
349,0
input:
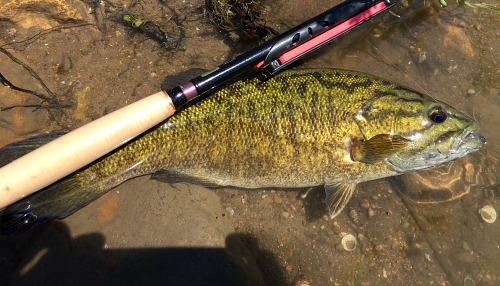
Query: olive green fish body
x,y
289,131
300,128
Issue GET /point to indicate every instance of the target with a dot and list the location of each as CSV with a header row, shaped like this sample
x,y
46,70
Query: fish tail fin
x,y
53,202
57,200
18,214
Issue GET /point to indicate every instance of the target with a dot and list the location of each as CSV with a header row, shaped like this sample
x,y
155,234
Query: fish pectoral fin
x,y
376,148
172,177
337,196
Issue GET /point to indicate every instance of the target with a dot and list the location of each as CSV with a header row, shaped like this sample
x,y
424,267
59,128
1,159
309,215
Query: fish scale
x,y
274,130
301,128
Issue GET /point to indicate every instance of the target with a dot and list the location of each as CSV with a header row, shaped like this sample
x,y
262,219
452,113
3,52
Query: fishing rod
x,y
277,53
86,144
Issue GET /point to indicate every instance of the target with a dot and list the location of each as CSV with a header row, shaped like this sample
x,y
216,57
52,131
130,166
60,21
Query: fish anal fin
x,y
172,177
337,196
377,148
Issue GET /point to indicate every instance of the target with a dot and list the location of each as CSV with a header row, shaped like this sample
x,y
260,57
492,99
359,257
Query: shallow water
x,y
403,236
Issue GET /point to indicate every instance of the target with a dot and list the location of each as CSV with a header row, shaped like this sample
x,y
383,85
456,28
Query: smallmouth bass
x,y
301,128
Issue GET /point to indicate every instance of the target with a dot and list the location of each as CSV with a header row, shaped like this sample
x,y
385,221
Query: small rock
x,y
466,246
353,215
348,242
301,280
469,175
468,281
365,204
488,214
422,57
278,200
285,214
43,14
379,247
267,200
11,31
370,212
471,91
230,211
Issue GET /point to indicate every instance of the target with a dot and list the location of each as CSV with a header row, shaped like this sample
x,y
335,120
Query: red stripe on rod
x,y
330,33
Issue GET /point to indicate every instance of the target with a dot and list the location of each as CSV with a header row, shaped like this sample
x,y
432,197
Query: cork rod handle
x,y
80,147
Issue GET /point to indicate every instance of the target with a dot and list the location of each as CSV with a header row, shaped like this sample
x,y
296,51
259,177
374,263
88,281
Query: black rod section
x,y
271,50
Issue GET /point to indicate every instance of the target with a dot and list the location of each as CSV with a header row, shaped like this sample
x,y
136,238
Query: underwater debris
x,y
488,214
152,31
301,280
353,215
50,99
349,242
472,5
242,20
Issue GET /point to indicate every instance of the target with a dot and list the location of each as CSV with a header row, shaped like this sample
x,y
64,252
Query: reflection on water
x,y
422,228
473,174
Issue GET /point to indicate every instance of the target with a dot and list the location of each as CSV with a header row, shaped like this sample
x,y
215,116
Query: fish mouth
x,y
458,143
473,138
468,140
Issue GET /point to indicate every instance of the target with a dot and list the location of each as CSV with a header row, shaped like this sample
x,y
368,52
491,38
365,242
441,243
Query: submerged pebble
x,y
468,281
349,242
301,280
379,247
370,212
230,211
353,215
488,213
365,204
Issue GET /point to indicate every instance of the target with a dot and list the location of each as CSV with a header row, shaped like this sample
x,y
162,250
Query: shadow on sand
x,y
49,256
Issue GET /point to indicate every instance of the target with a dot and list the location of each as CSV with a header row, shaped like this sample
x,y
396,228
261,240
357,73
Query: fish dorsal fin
x,y
377,148
337,196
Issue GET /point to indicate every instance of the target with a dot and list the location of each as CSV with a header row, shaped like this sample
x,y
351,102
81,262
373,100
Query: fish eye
x,y
437,115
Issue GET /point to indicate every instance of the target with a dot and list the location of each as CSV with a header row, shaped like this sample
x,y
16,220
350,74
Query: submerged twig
x,y
61,27
36,106
8,84
30,70
152,31
50,101
239,19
